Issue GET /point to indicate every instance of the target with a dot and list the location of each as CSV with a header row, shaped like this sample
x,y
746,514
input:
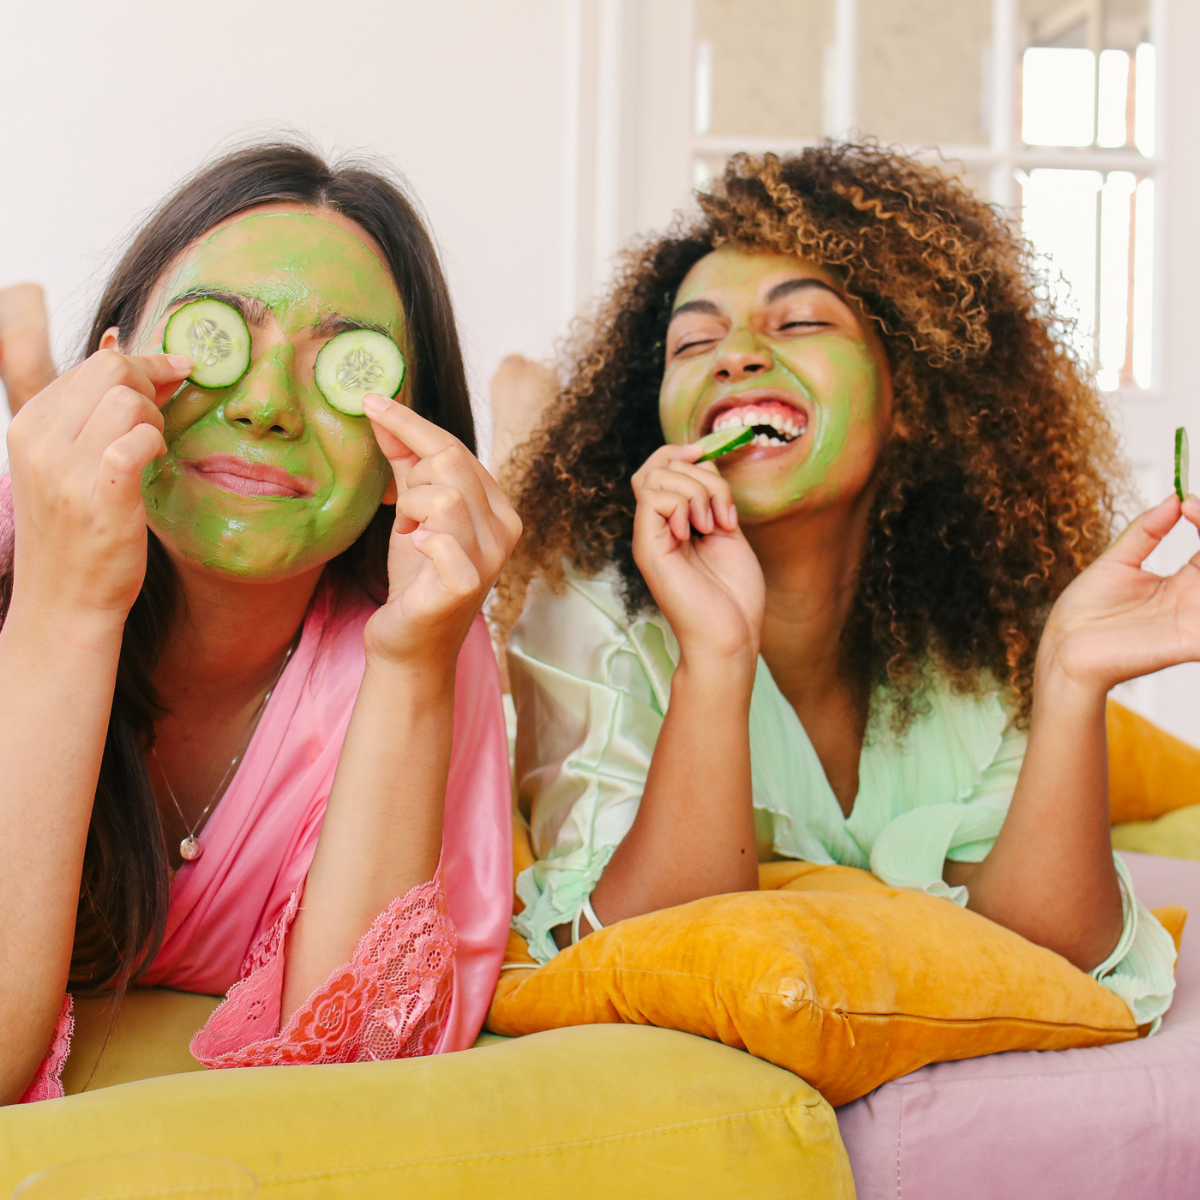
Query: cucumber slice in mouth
x,y
1181,463
723,441
356,363
214,336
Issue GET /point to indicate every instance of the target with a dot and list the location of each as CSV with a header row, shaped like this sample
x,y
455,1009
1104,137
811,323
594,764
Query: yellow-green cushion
x,y
149,1037
1176,835
591,1112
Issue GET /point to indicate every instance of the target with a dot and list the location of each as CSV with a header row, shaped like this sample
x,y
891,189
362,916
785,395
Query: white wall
x,y
107,105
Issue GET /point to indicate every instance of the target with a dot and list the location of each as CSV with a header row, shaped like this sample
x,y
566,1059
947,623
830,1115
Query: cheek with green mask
x,y
840,383
321,472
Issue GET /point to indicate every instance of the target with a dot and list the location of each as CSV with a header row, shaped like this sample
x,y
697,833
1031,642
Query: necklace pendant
x,y
190,848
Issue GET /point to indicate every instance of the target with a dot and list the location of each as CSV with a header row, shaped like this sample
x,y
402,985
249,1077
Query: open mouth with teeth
x,y
773,422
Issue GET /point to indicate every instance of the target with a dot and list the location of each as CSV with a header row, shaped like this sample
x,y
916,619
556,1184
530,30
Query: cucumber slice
x,y
724,440
214,336
1181,463
355,363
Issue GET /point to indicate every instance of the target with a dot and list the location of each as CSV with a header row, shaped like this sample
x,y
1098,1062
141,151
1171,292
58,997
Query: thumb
x,y
1136,544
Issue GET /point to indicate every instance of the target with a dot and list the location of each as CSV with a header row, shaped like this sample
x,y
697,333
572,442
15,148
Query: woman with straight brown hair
x,y
248,709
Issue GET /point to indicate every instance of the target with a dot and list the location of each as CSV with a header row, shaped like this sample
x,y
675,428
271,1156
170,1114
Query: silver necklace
x,y
191,847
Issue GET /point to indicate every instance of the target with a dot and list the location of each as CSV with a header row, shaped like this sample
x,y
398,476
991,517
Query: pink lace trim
x,y
47,1083
390,1001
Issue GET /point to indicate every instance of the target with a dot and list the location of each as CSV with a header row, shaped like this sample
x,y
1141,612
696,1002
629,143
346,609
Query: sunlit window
x,y
1045,106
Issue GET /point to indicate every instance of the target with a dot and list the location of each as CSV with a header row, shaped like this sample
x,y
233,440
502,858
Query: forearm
x,y
694,832
1050,876
382,832
55,700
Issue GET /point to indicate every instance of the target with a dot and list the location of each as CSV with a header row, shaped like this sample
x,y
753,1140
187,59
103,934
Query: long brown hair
x,y
124,891
998,485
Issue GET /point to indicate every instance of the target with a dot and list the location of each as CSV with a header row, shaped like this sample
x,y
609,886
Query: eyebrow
x,y
254,312
788,286
331,324
699,306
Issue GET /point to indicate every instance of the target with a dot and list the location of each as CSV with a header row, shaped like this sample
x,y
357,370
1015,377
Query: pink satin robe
x,y
422,977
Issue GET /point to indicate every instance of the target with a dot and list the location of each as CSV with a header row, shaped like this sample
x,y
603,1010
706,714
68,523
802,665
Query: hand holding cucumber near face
x,y
454,530
76,455
695,559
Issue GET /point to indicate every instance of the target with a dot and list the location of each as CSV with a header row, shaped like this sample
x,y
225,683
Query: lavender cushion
x,y
1108,1122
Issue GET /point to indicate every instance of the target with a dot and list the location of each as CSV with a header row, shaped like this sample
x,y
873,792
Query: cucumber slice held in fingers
x,y
1181,463
355,364
215,337
723,441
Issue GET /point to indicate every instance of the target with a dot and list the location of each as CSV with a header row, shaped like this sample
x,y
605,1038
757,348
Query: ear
x,y
109,339
392,493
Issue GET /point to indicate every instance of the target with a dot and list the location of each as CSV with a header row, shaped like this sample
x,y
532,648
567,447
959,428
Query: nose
x,y
741,357
266,404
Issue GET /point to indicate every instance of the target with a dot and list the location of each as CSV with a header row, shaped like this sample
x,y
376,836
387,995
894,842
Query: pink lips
x,y
247,478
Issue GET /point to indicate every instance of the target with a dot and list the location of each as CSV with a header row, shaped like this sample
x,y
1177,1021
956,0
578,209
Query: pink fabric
x,y
47,1083
1109,1122
240,896
390,1001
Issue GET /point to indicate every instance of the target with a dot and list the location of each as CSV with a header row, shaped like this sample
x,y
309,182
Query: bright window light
x,y
1058,97
1143,102
1143,281
1112,97
1115,205
1059,218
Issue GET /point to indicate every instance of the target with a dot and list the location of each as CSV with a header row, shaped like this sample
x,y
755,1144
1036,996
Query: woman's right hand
x,y
695,559
77,451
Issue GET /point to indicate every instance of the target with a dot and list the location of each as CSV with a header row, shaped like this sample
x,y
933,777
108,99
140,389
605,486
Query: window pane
x,y
924,71
766,63
1059,216
1081,66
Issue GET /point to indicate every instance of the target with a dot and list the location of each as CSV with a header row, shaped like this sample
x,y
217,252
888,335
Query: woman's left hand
x,y
1117,621
454,530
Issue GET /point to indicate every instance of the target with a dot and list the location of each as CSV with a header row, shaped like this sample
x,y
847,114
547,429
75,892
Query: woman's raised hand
x,y
1117,621
76,455
695,559
454,530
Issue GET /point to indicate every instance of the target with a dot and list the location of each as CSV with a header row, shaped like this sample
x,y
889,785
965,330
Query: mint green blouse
x,y
591,687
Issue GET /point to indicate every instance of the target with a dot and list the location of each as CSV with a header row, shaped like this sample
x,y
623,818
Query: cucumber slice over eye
x,y
724,440
355,363
214,336
1181,463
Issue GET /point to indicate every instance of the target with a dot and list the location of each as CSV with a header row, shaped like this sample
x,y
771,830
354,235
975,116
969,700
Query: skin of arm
x,y
1050,875
693,835
76,454
382,831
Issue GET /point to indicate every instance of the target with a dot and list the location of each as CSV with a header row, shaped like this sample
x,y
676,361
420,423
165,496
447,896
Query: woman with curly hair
x,y
856,639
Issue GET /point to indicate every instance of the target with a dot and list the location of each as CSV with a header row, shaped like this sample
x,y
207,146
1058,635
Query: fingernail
x,y
180,362
375,404
733,514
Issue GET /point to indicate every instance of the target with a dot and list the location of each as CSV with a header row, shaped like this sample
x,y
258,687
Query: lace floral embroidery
x,y
390,1001
47,1083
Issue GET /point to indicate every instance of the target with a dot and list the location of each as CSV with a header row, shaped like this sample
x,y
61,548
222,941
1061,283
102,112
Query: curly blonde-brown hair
x,y
998,485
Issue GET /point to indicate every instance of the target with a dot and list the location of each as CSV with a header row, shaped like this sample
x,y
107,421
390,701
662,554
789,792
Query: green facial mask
x,y
835,374
321,472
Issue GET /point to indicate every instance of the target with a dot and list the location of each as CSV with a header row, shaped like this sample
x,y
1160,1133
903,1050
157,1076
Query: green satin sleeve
x,y
590,690
591,687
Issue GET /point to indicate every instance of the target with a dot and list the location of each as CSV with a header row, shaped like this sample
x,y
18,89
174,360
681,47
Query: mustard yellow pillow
x,y
1150,772
830,973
